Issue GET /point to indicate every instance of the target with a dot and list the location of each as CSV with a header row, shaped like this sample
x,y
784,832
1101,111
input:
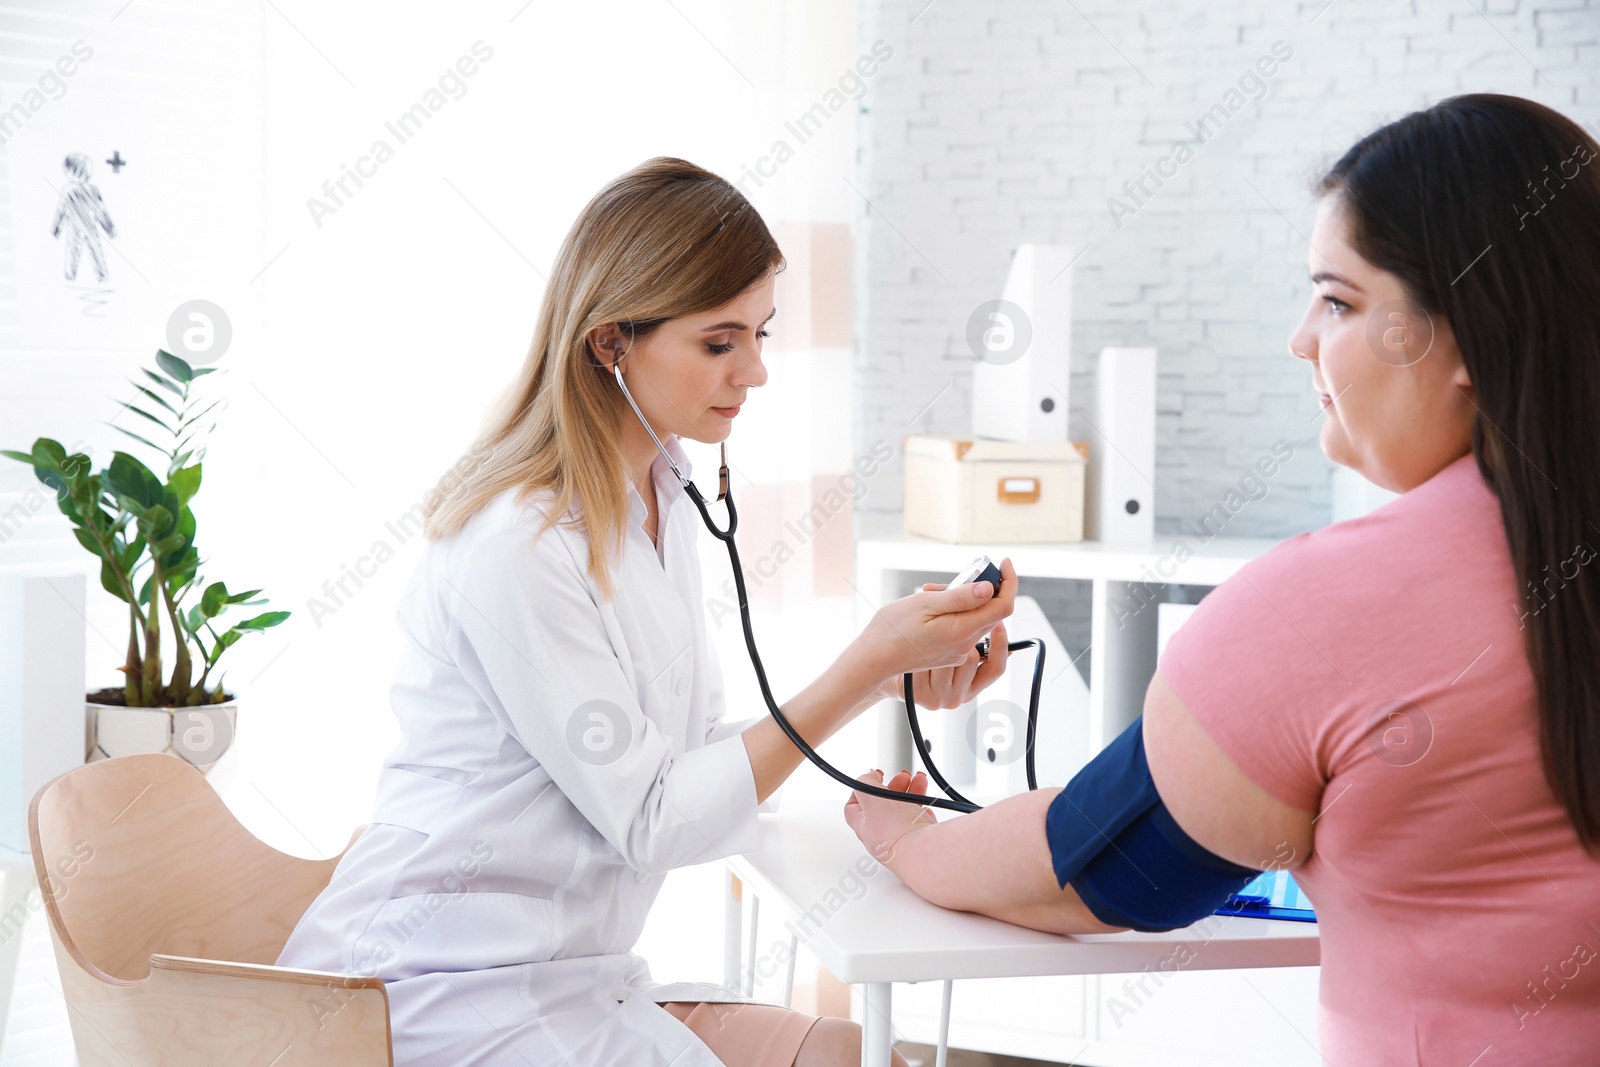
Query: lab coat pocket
x,y
431,932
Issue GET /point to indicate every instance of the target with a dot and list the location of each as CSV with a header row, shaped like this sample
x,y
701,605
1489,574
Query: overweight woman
x,y
1403,708
564,738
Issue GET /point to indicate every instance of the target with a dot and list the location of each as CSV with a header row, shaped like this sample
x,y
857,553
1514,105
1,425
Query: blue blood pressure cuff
x,y
1113,839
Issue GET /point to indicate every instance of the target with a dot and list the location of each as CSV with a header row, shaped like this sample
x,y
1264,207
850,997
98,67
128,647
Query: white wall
x,y
369,341
370,338
1009,121
1015,120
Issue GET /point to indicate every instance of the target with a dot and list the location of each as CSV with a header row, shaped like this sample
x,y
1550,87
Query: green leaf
x,y
136,437
262,622
86,539
22,457
77,465
180,571
55,481
198,371
131,556
174,366
175,547
48,453
130,478
69,507
174,506
153,395
181,582
186,422
108,581
186,482
213,599
156,520
240,598
163,382
159,422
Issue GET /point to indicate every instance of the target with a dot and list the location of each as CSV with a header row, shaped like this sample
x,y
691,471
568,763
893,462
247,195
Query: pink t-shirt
x,y
1374,671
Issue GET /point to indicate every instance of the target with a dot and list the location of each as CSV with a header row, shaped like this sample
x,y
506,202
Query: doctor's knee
x,y
833,1042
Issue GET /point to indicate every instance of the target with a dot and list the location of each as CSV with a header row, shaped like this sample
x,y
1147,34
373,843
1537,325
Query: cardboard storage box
x,y
966,490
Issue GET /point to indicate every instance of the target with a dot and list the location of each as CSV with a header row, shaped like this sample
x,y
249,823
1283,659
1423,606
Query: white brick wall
x,y
1004,121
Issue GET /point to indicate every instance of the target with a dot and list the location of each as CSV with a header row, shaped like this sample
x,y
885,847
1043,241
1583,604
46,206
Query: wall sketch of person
x,y
83,214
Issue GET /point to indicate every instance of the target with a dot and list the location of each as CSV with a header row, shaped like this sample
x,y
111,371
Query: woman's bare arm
x,y
995,861
1210,798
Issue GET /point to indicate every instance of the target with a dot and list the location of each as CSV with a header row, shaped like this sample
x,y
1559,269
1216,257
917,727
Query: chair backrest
x,y
142,856
166,916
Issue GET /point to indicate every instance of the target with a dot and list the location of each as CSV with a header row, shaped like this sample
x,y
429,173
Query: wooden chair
x,y
167,915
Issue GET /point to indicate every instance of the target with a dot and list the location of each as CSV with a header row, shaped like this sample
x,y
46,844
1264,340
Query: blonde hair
x,y
664,240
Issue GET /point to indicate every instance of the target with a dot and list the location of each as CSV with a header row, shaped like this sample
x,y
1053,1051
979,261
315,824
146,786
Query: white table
x,y
809,861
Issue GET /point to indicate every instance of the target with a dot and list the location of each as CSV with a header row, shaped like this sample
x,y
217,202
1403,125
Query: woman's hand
x,y
932,634
880,823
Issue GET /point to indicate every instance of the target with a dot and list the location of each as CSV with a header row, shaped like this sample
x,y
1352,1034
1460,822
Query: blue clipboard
x,y
1270,895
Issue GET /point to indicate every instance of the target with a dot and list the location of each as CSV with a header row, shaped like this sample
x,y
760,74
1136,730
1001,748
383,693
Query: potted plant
x,y
143,532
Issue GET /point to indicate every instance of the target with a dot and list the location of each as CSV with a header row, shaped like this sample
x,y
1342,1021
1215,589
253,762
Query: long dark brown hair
x,y
1487,208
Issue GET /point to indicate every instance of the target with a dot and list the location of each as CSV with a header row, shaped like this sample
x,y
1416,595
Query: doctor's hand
x,y
932,635
883,824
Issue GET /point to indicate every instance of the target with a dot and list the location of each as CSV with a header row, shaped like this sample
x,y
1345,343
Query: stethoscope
x,y
957,802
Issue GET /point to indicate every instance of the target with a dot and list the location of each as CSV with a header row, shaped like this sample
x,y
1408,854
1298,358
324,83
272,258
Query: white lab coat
x,y
560,755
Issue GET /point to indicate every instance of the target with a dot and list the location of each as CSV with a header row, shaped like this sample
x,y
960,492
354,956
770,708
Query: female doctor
x,y
564,744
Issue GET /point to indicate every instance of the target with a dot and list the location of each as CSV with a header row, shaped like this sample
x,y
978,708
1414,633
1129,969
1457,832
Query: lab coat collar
x,y
666,483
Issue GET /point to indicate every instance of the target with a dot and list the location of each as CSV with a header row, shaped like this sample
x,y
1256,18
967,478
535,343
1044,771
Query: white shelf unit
x,y
1122,657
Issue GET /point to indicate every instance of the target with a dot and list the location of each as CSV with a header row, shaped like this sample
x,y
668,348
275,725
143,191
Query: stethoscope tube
x,y
956,801
926,750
